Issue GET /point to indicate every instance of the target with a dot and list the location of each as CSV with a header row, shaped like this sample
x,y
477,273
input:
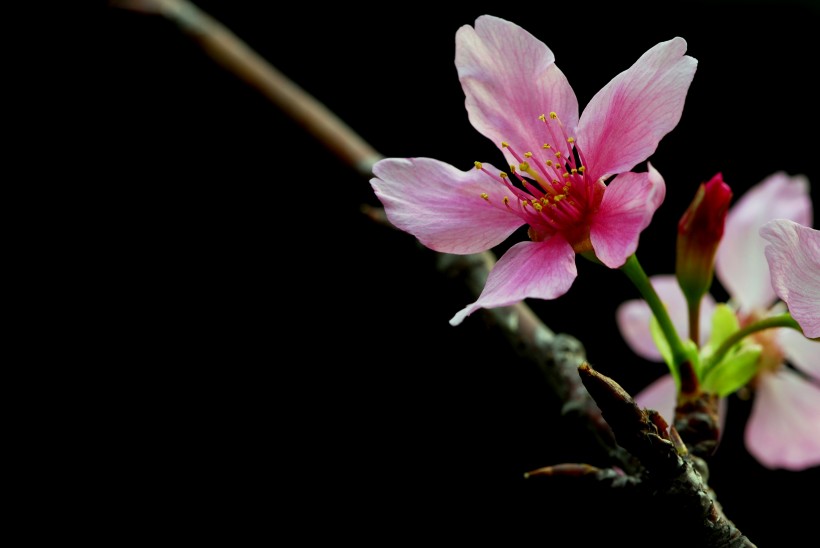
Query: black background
x,y
290,342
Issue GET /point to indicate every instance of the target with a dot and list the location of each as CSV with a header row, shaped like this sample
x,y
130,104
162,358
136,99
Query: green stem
x,y
781,320
633,270
694,321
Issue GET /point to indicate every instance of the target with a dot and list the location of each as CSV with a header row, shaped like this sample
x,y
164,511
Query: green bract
x,y
733,372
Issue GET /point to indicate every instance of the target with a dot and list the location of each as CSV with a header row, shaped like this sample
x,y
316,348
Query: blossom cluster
x,y
568,177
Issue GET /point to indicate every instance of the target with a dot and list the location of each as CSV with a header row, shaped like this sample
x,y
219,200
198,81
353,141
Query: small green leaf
x,y
692,353
724,324
734,371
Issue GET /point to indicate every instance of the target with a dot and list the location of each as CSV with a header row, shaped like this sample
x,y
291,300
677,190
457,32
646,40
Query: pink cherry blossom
x,y
793,254
783,429
559,162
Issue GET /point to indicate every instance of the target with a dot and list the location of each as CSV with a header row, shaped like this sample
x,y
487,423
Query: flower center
x,y
556,195
772,356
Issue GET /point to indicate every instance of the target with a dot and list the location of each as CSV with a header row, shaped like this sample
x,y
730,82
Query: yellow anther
x,y
524,203
558,154
524,166
549,163
502,174
566,188
574,171
570,140
582,169
506,201
485,196
513,168
558,197
528,155
566,175
545,200
537,207
542,118
555,181
553,115
478,165
547,145
504,144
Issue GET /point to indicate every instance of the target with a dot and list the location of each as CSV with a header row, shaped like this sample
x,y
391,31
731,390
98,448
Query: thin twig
x,y
673,476
234,55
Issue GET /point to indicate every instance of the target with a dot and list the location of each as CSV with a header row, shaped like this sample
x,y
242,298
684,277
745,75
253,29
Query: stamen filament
x,y
503,180
564,216
557,140
527,168
554,193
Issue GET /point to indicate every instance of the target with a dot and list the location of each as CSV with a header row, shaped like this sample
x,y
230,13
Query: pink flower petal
x,y
627,208
544,270
625,121
509,78
662,396
793,255
783,430
633,317
442,206
740,264
801,352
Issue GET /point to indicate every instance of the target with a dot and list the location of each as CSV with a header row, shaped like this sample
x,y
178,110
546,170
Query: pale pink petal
x,y
543,270
627,208
509,78
662,396
740,264
801,352
793,255
633,317
783,430
442,206
625,121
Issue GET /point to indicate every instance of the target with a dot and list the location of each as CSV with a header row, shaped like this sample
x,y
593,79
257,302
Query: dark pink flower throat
x,y
557,195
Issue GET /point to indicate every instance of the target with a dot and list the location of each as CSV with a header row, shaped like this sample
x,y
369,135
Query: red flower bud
x,y
699,233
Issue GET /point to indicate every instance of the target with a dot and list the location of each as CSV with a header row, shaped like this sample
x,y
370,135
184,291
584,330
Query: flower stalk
x,y
781,320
